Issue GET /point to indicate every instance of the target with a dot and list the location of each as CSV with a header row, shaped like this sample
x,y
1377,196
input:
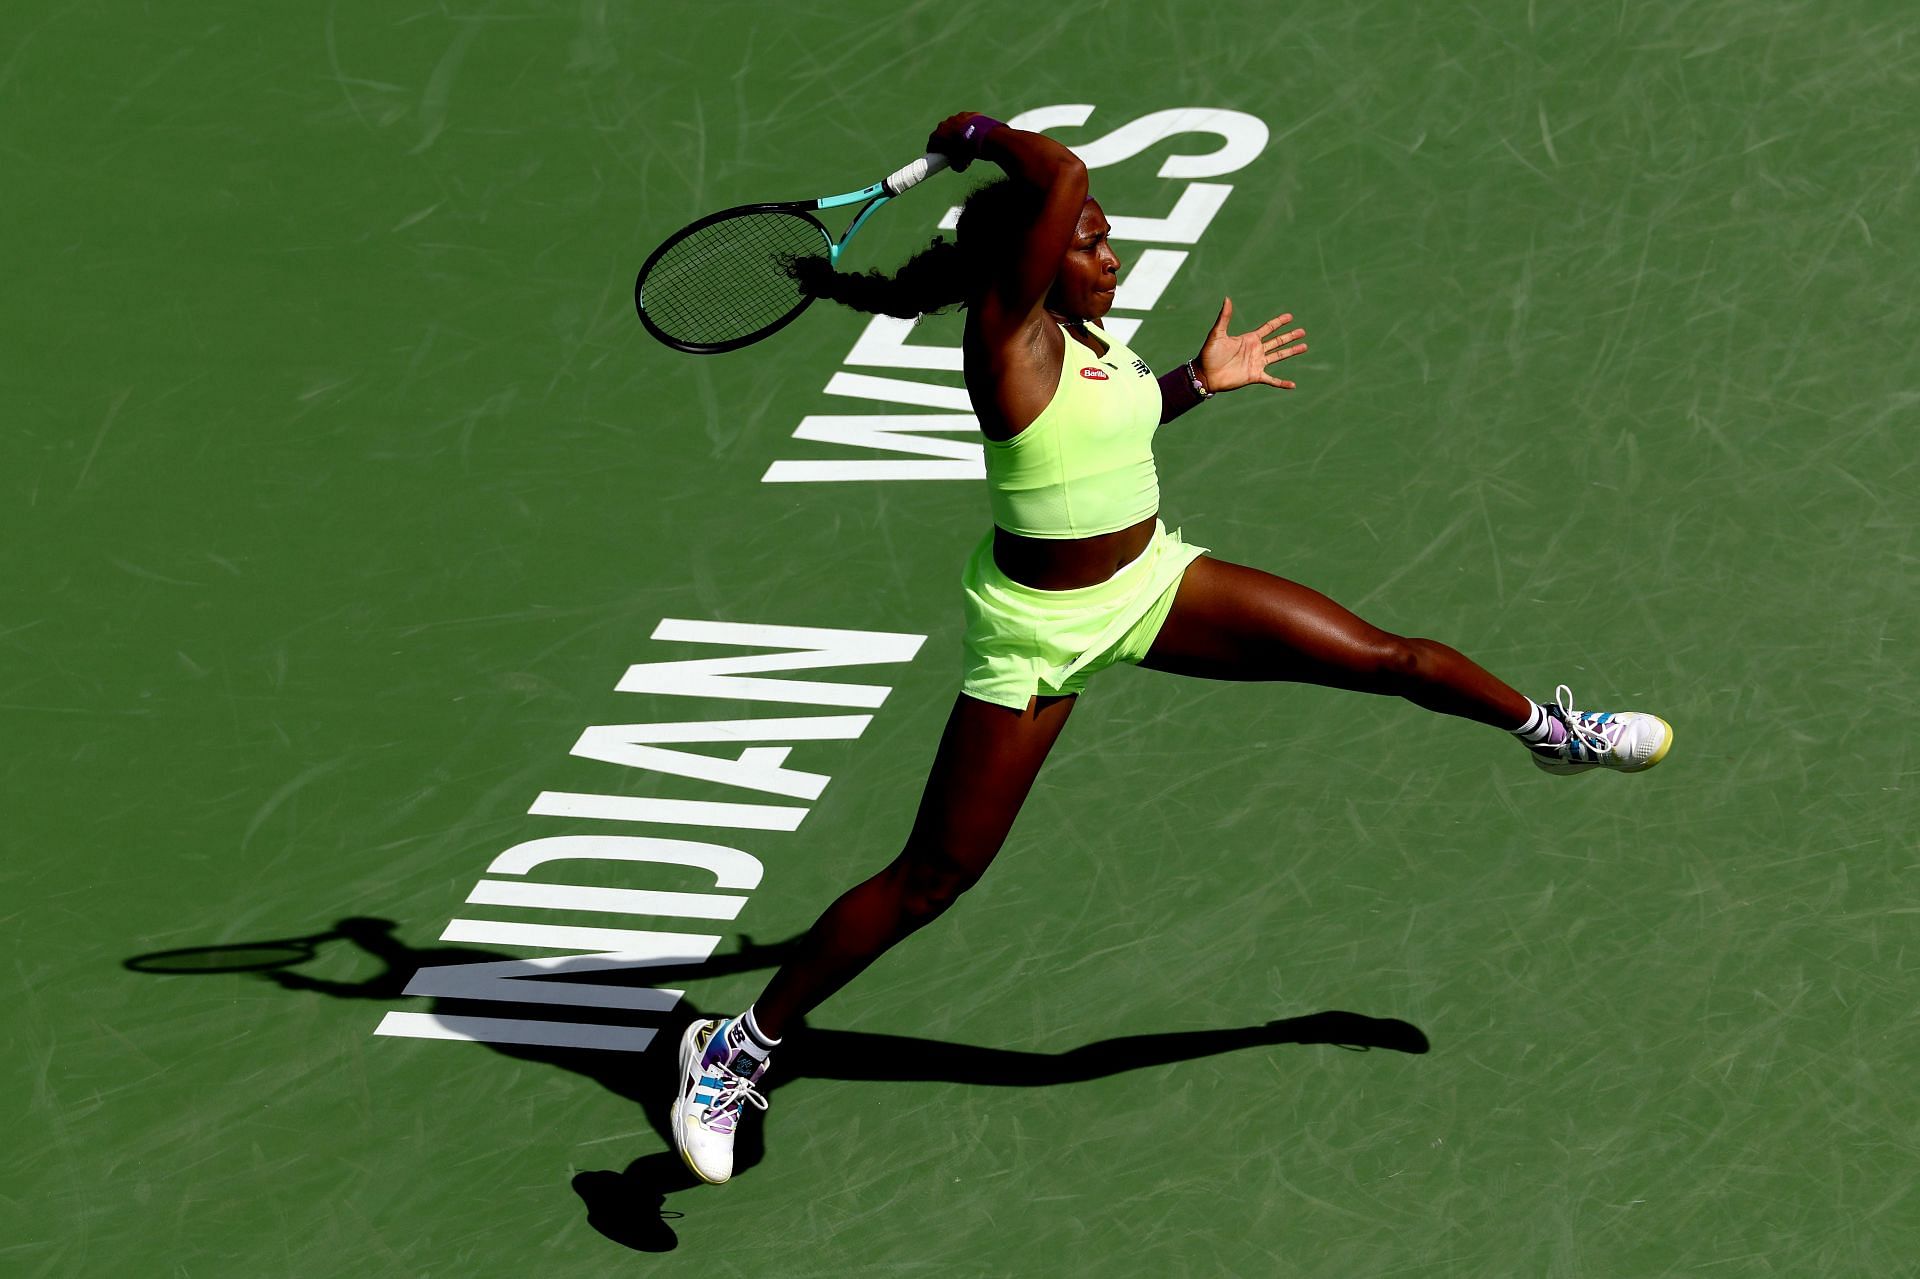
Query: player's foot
x,y
716,1085
1627,741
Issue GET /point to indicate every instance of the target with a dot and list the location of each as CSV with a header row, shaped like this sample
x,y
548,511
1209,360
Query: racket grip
x,y
914,174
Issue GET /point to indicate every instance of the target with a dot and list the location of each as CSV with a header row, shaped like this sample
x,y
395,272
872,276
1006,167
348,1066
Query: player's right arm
x,y
1013,302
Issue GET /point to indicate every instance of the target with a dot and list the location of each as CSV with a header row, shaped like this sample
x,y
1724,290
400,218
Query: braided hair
x,y
993,224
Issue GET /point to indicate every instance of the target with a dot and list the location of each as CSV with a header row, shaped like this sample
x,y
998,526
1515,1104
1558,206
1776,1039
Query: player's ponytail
x,y
932,280
993,223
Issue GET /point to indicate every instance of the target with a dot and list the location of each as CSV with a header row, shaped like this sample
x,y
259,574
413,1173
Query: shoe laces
x,y
735,1091
1579,732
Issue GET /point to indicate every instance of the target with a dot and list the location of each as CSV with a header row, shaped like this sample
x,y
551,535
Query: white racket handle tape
x,y
916,173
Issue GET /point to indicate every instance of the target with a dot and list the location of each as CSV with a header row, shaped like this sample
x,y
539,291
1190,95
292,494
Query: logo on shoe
x,y
1094,375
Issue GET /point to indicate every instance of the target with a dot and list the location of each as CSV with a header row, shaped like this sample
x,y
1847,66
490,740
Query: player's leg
x,y
985,765
1236,623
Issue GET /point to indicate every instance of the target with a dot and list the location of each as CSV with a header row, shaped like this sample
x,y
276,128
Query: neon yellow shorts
x,y
1021,641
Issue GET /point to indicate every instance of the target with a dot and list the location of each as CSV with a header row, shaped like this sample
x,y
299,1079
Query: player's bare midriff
x,y
1062,564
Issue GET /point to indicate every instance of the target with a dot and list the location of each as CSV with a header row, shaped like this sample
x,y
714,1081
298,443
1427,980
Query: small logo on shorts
x,y
1094,375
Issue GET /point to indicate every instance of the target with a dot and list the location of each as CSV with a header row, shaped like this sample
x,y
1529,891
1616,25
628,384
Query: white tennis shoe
x,y
713,1097
1626,741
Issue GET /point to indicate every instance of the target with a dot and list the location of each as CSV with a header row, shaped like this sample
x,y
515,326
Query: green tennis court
x,y
345,499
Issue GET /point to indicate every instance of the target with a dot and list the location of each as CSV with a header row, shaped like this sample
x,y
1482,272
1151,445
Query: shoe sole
x,y
1660,753
689,1057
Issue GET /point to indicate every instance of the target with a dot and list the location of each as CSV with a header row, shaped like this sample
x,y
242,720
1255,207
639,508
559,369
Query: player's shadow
x,y
629,1206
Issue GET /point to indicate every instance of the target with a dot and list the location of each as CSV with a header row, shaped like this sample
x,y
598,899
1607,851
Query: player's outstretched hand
x,y
1229,362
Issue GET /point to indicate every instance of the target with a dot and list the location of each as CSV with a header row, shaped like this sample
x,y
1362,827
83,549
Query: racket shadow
x,y
242,957
629,1206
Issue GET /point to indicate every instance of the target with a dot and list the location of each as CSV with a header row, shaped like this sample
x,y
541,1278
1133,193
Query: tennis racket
x,y
723,282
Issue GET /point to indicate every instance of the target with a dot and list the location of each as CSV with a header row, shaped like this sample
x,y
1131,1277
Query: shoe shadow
x,y
629,1206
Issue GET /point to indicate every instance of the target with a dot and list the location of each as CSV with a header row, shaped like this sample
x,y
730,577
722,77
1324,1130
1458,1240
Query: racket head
x,y
238,957
722,283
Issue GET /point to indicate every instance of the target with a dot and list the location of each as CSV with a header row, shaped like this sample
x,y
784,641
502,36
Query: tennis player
x,y
1078,574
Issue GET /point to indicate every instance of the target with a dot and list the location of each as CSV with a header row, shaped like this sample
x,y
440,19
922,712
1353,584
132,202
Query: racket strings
x,y
729,280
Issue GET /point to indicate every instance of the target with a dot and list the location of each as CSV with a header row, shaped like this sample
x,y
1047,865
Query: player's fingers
x,y
1286,354
1272,324
1279,382
1285,338
1226,313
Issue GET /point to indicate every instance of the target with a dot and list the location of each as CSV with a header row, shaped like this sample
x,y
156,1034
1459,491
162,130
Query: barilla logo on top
x,y
1096,375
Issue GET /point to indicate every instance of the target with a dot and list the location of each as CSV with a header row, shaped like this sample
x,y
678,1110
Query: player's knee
x,y
932,878
1400,660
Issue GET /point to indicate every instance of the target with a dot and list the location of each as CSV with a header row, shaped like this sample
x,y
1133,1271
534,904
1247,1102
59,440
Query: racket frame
x,y
876,195
799,210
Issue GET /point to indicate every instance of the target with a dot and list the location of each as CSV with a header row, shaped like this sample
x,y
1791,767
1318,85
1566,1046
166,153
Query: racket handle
x,y
916,173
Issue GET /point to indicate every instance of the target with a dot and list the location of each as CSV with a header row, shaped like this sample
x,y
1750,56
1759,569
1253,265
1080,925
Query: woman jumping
x,y
1078,574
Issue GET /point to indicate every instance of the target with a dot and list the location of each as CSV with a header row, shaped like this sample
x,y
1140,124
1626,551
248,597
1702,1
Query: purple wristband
x,y
1177,394
974,133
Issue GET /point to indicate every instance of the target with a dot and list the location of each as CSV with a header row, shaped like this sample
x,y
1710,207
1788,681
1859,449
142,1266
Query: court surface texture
x,y
360,549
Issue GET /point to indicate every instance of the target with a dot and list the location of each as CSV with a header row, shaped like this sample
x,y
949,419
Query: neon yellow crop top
x,y
1085,465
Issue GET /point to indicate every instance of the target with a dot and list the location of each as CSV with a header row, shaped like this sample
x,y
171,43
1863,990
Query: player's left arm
x,y
1228,362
